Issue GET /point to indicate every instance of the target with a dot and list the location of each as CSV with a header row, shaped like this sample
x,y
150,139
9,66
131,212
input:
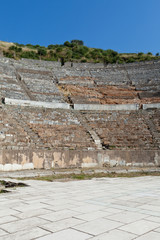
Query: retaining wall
x,y
80,107
31,159
151,106
110,107
29,103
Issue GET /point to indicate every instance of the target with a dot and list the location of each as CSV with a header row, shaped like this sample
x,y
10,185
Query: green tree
x,y
67,44
77,42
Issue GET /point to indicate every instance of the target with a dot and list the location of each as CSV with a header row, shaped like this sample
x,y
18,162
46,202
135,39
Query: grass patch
x,y
3,191
84,176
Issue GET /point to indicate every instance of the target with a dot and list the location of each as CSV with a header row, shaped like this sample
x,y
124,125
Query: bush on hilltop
x,y
74,51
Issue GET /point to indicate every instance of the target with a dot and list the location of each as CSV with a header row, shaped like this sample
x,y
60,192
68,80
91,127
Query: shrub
x,y
96,54
58,49
51,46
29,54
130,60
148,58
68,54
37,46
140,54
106,60
120,61
110,56
88,55
19,45
42,51
15,48
19,49
51,53
83,60
12,48
111,53
76,55
8,54
30,46
80,50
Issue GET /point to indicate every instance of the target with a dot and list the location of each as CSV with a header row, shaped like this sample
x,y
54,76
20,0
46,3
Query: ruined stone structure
x,y
79,114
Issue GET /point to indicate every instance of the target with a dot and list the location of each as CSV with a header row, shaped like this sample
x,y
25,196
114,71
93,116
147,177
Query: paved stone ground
x,y
98,209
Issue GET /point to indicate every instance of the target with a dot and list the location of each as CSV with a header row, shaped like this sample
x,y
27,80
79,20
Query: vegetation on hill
x,y
73,51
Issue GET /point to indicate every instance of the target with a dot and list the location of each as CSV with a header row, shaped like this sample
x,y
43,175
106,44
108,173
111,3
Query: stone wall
x,y
33,159
109,107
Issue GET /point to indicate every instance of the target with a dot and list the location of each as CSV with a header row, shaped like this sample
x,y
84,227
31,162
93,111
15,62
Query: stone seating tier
x,y
23,127
126,129
48,81
42,129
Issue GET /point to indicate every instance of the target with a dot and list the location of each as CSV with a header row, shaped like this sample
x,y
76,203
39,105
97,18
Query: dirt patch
x,y
85,176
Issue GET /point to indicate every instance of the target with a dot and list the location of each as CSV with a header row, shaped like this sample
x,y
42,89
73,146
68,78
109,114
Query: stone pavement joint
x,y
97,209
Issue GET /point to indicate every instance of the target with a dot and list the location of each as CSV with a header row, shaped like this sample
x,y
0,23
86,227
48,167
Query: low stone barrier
x,y
28,103
110,107
151,106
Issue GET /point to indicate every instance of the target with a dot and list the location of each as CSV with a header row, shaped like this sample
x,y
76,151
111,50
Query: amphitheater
x,y
78,115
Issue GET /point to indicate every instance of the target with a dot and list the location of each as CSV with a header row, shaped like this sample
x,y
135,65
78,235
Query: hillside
x,y
73,51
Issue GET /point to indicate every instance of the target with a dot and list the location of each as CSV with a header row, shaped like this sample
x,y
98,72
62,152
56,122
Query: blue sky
x,y
121,25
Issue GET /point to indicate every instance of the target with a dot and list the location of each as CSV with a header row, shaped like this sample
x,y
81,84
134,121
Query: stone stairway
x,y
89,129
24,87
